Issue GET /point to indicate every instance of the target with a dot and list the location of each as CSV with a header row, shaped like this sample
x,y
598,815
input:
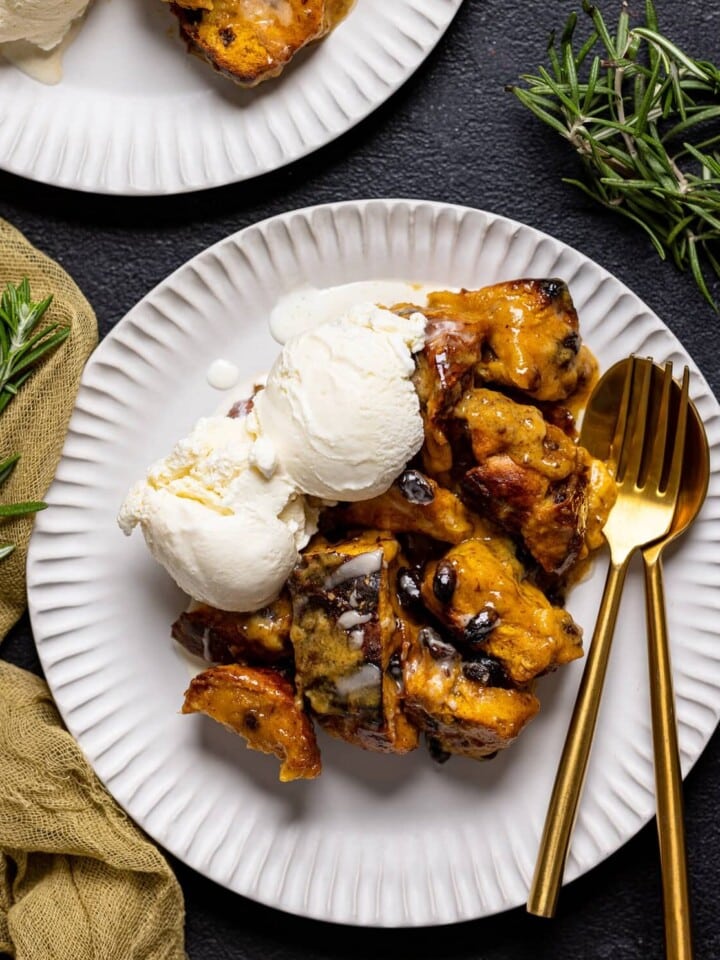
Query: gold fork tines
x,y
672,485
640,449
632,422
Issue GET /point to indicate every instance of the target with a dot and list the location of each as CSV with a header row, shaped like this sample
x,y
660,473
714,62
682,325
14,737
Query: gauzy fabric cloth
x,y
35,421
78,879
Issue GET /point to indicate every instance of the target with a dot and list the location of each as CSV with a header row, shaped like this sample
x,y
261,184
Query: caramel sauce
x,y
337,10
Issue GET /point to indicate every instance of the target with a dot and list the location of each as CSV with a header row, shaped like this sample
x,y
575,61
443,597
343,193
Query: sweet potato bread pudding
x,y
253,40
429,612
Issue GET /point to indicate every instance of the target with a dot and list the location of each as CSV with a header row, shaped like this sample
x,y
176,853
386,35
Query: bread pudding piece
x,y
419,610
415,503
533,480
479,596
464,706
260,638
253,40
530,336
348,642
260,705
521,334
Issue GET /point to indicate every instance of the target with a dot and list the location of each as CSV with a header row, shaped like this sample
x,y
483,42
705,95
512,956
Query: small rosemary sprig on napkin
x,y
23,343
644,116
14,509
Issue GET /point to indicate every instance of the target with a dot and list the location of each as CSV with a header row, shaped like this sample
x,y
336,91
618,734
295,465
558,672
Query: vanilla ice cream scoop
x,y
227,512
227,532
339,404
43,23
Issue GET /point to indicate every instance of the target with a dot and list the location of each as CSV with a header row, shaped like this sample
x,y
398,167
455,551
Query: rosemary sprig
x,y
23,343
644,116
14,509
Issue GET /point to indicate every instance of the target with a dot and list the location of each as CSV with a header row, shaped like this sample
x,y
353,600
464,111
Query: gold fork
x,y
647,491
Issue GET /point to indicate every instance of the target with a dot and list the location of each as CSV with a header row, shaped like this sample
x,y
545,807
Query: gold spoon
x,y
668,778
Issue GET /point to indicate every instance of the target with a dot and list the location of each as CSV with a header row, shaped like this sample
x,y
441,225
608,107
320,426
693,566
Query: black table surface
x,y
452,133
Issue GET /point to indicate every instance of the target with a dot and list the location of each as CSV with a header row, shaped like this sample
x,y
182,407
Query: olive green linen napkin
x,y
34,423
78,880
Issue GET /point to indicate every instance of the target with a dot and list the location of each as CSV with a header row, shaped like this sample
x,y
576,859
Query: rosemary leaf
x,y
674,54
21,509
7,467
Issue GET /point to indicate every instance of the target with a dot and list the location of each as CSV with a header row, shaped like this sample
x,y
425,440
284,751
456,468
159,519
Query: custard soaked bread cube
x,y
259,705
465,707
348,641
520,334
533,480
258,638
253,40
479,596
526,335
415,503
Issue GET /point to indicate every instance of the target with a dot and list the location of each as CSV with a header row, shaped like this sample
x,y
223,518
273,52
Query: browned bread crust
x,y
251,40
520,335
260,705
415,503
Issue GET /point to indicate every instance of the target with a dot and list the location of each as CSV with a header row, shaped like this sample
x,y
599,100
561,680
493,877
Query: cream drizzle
x,y
362,566
352,618
368,675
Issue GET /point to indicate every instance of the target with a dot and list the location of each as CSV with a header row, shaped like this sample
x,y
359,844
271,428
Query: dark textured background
x,y
452,134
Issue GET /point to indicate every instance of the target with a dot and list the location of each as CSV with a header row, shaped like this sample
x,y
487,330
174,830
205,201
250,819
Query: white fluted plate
x,y
392,841
136,114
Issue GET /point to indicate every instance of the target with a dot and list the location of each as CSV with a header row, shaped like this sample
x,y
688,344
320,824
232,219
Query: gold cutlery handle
x,y
570,776
668,777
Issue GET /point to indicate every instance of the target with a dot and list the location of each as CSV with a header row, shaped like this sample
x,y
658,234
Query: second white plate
x,y
394,841
135,114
